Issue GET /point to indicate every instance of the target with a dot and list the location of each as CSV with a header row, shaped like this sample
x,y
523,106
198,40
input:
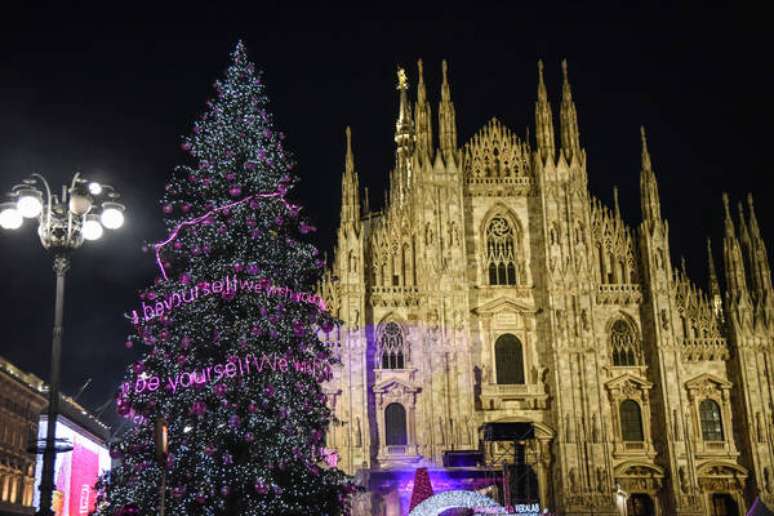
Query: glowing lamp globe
x,y
112,215
10,218
29,204
79,204
92,229
95,188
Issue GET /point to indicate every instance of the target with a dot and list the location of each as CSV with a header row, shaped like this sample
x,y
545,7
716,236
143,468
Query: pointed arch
x,y
502,235
624,341
392,351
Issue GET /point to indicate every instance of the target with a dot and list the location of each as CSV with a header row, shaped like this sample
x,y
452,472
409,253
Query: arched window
x,y
391,347
509,360
395,425
500,252
631,421
623,343
711,421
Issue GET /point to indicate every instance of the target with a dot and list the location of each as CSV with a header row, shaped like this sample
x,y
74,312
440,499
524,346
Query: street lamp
x,y
64,222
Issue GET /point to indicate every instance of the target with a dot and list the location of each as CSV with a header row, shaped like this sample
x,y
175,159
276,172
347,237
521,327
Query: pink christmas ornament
x,y
198,408
167,209
331,457
235,191
305,228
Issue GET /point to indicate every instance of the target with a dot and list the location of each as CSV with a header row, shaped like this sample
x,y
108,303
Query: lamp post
x,y
161,437
64,222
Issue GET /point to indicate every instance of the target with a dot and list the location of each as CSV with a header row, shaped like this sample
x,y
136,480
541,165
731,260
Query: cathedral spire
x,y
404,138
404,127
736,285
568,118
350,187
758,259
744,234
544,124
349,158
422,117
714,285
755,231
649,200
616,206
447,123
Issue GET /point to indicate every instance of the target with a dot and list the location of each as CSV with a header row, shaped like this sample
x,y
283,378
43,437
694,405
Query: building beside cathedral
x,y
495,293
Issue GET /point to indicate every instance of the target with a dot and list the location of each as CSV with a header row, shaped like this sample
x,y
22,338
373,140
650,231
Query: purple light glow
x,y
173,235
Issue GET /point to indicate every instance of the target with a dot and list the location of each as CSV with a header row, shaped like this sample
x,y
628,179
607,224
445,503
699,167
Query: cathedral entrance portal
x,y
640,504
723,504
521,452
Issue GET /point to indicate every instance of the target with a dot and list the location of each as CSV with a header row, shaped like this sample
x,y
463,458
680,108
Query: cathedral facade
x,y
493,287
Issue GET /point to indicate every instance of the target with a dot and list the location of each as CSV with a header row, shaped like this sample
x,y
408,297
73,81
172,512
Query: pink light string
x,y
173,235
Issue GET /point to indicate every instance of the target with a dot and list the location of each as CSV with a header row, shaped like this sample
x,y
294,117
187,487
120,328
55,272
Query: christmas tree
x,y
234,337
423,489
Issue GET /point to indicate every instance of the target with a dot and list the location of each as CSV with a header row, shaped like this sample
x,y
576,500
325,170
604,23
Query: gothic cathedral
x,y
494,288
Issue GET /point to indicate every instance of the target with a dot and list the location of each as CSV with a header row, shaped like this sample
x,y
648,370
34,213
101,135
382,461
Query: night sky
x,y
109,91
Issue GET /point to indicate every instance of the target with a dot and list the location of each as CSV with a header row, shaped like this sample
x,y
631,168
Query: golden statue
x,y
402,79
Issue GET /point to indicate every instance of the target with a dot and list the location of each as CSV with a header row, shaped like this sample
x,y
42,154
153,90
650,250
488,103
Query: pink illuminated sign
x,y
231,369
227,286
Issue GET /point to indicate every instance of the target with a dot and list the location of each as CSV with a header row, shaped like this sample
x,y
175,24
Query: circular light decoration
x,y
112,215
436,504
92,229
10,218
29,203
95,188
